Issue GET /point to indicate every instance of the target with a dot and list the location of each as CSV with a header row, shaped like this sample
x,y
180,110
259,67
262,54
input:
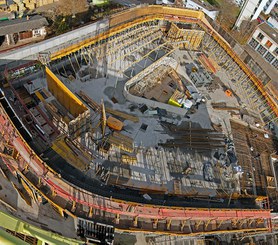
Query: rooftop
x,y
269,69
272,33
205,5
24,24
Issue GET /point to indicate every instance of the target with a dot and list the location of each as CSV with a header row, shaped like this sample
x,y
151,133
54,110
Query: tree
x,y
63,27
61,24
228,12
245,31
72,7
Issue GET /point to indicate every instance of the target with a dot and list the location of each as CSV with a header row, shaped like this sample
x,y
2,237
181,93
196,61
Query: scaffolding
x,y
165,220
133,17
177,220
251,88
191,38
81,122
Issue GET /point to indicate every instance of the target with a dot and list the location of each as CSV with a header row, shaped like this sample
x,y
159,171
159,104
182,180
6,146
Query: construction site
x,y
154,126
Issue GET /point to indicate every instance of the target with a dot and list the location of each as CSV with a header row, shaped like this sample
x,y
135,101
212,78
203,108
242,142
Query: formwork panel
x,y
63,94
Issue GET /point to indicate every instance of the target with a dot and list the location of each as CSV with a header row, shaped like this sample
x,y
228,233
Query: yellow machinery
x,y
114,123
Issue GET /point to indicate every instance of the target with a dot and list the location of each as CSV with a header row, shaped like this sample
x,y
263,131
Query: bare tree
x,y
245,31
228,13
72,7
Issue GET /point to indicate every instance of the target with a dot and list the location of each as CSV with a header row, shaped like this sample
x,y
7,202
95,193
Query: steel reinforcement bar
x,y
141,14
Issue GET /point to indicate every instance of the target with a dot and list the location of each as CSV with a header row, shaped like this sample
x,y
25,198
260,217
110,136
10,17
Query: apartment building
x,y
251,10
265,42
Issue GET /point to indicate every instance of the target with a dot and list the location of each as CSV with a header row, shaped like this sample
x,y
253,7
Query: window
x,y
268,44
37,31
275,63
261,50
253,43
276,51
260,36
269,57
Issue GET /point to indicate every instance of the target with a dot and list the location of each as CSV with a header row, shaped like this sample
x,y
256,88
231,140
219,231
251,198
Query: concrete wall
x,y
54,44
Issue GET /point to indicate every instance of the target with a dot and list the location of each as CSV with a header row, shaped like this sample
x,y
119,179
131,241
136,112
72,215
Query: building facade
x,y
252,8
239,2
272,22
209,10
13,31
167,2
265,42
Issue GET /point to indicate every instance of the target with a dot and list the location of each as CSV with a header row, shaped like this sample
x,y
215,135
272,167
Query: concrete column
x,y
9,39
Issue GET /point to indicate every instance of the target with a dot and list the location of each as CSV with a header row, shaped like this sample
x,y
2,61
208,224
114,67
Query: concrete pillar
x,y
155,224
168,224
73,208
117,219
91,211
10,39
135,221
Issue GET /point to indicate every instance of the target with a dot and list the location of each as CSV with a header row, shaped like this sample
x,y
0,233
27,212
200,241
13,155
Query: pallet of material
x,y
175,77
70,153
214,63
